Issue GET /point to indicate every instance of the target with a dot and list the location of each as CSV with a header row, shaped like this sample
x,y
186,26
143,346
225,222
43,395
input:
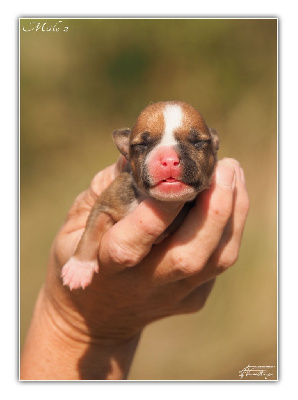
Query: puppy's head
x,y
171,151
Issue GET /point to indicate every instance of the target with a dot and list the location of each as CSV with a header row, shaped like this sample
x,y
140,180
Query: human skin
x,y
93,333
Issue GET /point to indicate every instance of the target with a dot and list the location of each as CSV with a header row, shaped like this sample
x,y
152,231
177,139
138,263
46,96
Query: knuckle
x,y
220,212
123,255
184,265
149,230
227,260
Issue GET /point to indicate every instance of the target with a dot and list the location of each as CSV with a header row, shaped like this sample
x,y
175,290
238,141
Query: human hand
x,y
138,283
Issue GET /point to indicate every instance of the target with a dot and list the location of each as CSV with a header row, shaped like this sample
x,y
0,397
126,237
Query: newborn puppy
x,y
171,156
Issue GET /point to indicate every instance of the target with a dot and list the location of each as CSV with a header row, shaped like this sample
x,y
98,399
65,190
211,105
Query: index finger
x,y
127,242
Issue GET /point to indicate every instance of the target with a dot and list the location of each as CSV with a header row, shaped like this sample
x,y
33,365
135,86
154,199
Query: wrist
x,y
61,348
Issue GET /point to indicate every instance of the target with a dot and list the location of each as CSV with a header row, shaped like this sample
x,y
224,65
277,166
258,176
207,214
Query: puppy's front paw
x,y
77,273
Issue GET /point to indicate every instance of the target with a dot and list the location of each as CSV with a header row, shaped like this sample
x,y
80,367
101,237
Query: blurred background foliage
x,y
76,87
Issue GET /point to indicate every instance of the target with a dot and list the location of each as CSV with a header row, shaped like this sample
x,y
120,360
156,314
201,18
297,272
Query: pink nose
x,y
164,163
170,161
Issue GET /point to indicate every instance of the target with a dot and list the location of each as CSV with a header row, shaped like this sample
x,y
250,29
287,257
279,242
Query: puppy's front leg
x,y
79,269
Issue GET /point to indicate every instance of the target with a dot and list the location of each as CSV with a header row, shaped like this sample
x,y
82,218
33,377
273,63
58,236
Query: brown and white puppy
x,y
171,156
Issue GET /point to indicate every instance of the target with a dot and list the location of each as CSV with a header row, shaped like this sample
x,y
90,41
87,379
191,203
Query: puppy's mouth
x,y
172,189
171,183
169,180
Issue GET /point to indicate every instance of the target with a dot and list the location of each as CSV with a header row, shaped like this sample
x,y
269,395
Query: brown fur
x,y
196,148
129,185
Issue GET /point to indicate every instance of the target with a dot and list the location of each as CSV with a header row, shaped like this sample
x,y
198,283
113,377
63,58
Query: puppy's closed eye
x,y
199,143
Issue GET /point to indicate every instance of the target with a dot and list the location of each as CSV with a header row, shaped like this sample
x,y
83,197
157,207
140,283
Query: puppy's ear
x,y
214,138
121,138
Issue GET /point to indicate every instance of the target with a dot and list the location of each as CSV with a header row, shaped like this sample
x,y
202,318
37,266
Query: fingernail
x,y
225,175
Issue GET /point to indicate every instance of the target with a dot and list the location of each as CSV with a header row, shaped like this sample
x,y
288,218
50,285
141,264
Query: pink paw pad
x,y
77,273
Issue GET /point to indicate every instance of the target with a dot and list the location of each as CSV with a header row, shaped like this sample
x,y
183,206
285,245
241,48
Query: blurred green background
x,y
76,87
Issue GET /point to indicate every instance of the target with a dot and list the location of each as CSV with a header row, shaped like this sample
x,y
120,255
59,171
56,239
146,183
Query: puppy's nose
x,y
163,163
170,161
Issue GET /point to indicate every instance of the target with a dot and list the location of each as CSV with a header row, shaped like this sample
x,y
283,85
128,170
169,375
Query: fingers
x,y
127,242
190,286
227,250
189,249
229,246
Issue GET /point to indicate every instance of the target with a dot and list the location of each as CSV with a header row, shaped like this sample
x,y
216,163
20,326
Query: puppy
x,y
171,156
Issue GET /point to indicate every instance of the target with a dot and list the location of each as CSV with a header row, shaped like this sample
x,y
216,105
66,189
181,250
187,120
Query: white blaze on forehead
x,y
173,119
173,116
